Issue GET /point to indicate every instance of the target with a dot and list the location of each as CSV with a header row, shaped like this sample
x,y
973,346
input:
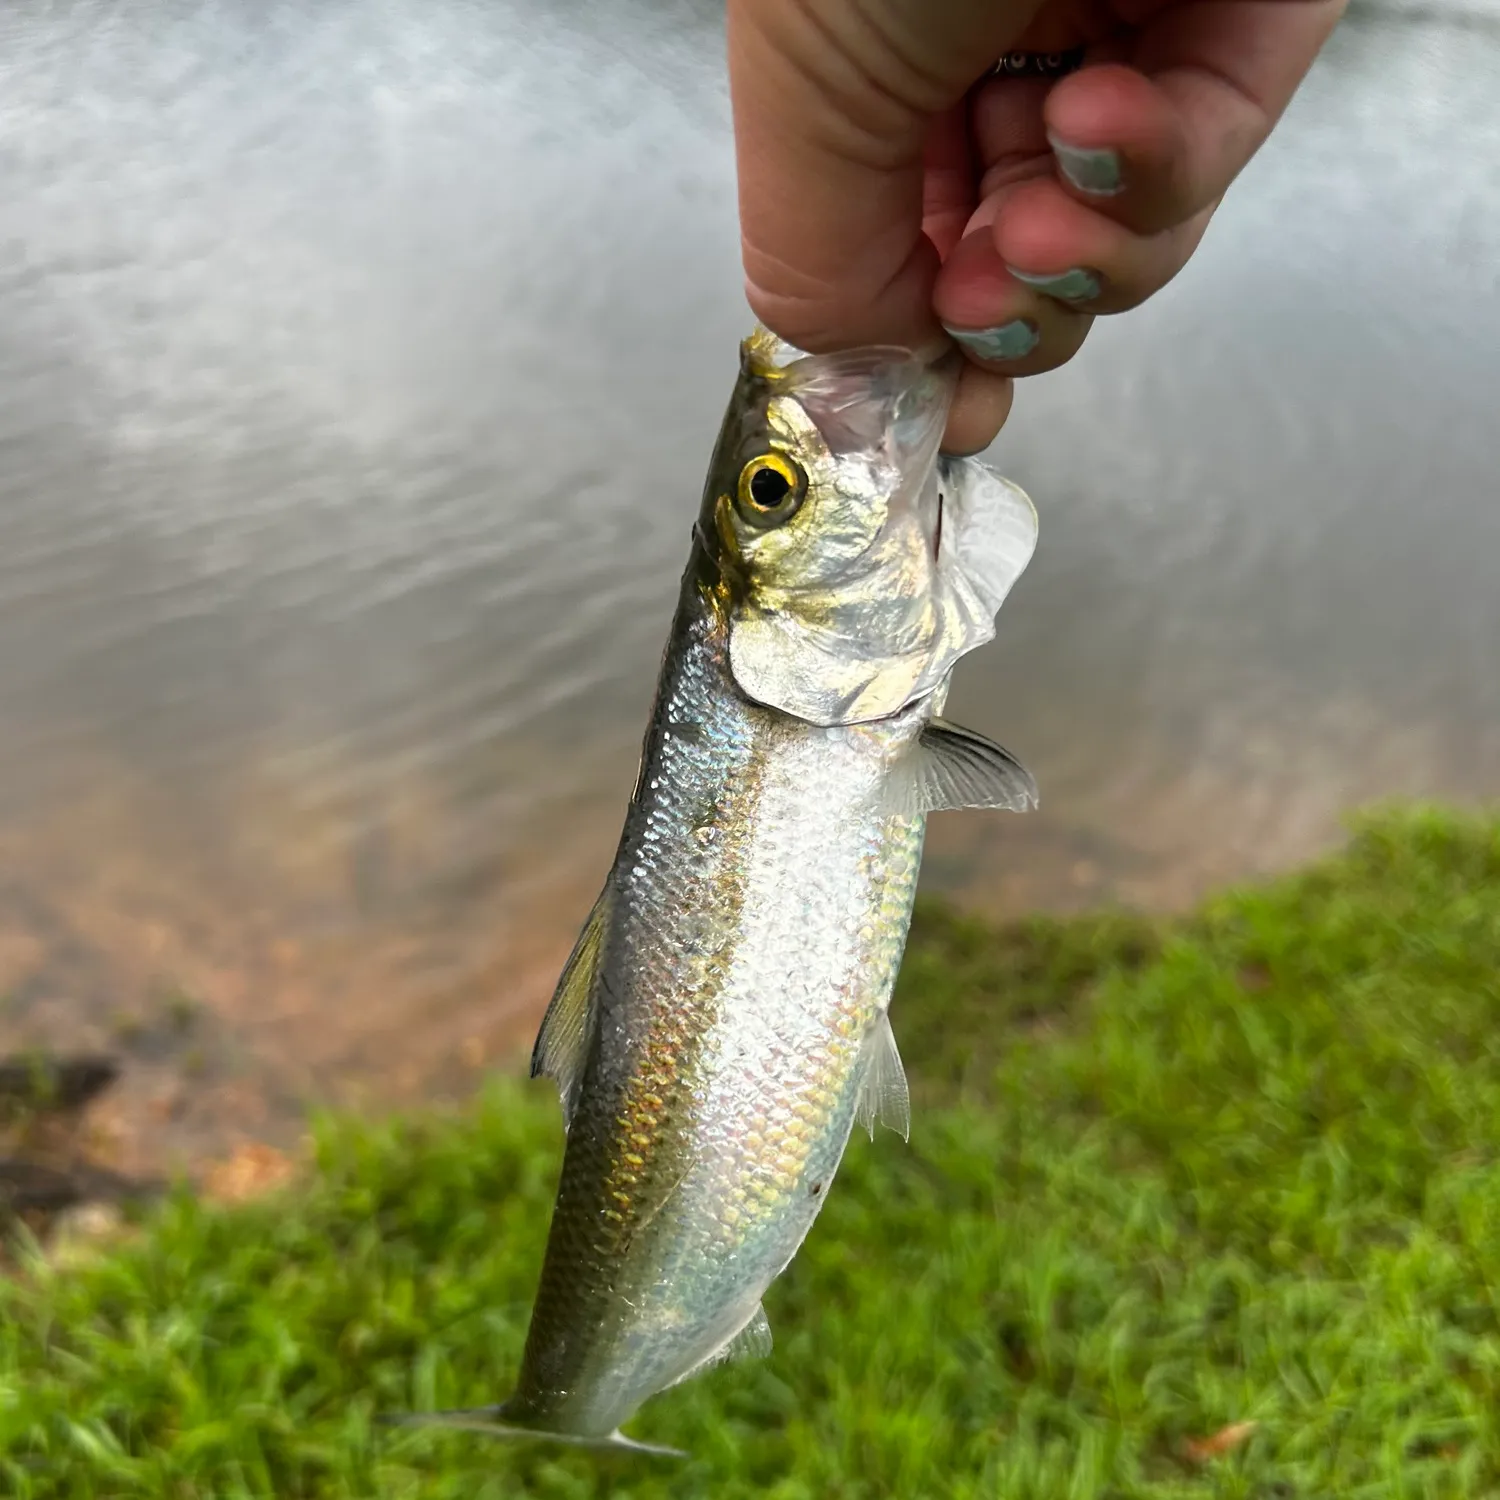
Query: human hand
x,y
885,197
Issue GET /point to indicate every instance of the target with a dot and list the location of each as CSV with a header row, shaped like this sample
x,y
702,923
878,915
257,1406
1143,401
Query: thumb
x,y
833,101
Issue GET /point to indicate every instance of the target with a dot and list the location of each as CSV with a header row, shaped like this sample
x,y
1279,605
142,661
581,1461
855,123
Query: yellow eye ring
x,y
771,489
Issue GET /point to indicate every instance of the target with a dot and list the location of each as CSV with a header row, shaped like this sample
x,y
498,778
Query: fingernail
x,y
1077,285
1009,341
1089,169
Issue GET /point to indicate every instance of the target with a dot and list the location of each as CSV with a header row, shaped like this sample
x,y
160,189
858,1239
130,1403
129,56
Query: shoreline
x,y
1189,1203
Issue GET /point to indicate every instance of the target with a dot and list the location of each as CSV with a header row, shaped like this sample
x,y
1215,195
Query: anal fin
x,y
950,768
753,1341
883,1094
562,1043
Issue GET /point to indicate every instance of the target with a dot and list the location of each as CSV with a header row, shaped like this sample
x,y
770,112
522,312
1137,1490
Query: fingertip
x,y
1037,224
1110,106
1119,146
999,321
980,408
1076,254
972,283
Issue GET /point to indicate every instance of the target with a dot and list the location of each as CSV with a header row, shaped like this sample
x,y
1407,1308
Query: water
x,y
358,368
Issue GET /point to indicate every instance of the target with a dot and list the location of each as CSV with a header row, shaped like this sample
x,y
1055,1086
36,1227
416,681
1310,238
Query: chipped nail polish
x,y
1014,340
1077,285
1090,169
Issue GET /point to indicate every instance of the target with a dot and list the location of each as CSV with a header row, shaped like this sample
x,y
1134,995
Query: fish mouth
x,y
767,356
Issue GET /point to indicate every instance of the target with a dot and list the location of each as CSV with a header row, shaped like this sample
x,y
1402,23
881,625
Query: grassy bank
x,y
1163,1181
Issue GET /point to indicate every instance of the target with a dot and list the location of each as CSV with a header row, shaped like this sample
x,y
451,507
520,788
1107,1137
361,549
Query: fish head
x,y
854,565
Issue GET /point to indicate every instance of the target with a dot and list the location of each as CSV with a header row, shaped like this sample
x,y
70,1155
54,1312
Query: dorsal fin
x,y
562,1044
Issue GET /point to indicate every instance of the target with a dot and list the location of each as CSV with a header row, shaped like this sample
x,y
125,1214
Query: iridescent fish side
x,y
722,1022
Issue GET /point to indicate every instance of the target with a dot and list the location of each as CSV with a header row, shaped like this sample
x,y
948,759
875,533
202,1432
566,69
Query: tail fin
x,y
489,1420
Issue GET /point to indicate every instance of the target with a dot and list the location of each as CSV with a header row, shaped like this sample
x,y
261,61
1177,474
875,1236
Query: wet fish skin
x,y
755,929
722,1021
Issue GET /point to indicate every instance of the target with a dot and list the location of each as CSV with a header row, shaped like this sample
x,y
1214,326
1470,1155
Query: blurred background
x,y
359,365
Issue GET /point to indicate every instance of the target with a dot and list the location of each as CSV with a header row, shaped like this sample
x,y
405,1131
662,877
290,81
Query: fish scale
x,y
761,972
722,1022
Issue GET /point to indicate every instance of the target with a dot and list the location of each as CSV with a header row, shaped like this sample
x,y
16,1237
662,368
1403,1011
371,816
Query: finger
x,y
831,111
1068,251
980,408
949,194
1007,118
1010,139
1006,143
999,322
1153,143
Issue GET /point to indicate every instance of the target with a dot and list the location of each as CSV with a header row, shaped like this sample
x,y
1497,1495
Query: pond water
x,y
358,368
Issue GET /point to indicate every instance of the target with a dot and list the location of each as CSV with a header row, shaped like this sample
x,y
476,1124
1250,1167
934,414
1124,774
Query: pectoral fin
x,y
562,1044
949,768
883,1093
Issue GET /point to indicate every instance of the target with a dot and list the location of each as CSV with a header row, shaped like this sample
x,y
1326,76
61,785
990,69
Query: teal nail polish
x,y
1077,285
1089,169
1013,340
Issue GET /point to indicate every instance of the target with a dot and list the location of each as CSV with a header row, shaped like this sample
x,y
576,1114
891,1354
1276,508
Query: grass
x,y
1165,1178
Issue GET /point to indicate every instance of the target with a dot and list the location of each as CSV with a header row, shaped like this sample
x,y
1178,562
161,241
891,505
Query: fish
x,y
722,1023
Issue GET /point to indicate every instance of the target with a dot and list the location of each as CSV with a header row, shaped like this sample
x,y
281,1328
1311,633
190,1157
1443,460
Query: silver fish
x,y
722,1021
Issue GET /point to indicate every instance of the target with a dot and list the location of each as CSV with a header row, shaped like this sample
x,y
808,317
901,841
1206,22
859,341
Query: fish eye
x,y
771,489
